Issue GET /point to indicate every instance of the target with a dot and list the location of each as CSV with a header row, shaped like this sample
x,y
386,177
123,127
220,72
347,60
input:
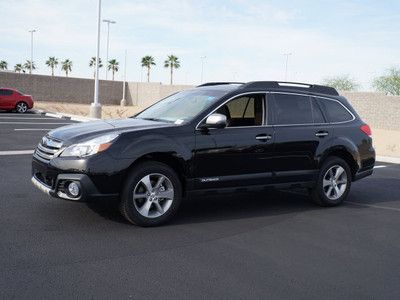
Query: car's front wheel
x,y
333,183
21,107
151,194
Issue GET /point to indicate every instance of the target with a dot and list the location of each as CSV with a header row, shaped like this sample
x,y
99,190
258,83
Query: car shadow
x,y
205,209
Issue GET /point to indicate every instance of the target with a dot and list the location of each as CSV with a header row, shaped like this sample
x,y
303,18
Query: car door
x,y
237,155
300,132
6,99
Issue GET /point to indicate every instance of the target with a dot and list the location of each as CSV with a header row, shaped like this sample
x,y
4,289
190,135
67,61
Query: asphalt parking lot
x,y
260,245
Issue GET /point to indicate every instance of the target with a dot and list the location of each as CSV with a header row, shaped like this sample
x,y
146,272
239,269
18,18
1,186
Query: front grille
x,y
47,148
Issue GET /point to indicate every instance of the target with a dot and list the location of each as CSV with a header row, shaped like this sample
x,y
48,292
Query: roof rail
x,y
313,88
218,83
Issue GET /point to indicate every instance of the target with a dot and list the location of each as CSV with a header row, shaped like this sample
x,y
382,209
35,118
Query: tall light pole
x,y
123,101
108,41
202,67
286,64
95,107
31,62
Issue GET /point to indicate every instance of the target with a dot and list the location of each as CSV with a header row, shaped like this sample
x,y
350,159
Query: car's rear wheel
x,y
333,183
21,107
151,194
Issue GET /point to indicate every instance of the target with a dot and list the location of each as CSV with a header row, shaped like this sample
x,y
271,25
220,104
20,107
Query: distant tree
x,y
390,83
3,65
18,68
113,66
52,63
341,83
27,66
172,62
92,63
147,62
66,66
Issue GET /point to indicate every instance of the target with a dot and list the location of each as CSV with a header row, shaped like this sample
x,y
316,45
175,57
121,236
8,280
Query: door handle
x,y
263,137
321,133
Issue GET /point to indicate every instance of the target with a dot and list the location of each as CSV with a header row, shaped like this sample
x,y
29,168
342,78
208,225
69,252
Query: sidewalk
x,y
109,111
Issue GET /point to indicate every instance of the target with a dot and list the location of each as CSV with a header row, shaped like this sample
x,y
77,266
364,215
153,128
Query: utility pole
x,y
95,107
202,67
108,41
123,101
286,64
31,62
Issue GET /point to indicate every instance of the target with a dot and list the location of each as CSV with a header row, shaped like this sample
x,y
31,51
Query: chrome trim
x,y
281,125
40,158
264,137
48,150
41,186
321,134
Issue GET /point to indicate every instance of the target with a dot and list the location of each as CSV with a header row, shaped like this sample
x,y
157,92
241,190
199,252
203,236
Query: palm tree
x,y
66,66
28,66
3,65
113,66
52,63
18,68
92,63
173,63
147,62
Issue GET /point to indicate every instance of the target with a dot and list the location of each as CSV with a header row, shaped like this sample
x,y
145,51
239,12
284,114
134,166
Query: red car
x,y
11,99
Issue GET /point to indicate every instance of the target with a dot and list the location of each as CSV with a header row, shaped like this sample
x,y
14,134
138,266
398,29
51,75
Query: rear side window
x,y
318,117
5,92
293,109
334,111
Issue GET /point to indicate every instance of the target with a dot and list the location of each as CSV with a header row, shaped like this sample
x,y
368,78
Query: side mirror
x,y
216,121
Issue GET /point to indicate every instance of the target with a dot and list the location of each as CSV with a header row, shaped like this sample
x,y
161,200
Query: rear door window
x,y
291,109
334,111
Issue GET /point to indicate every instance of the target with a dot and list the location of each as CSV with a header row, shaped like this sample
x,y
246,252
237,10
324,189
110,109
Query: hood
x,y
83,131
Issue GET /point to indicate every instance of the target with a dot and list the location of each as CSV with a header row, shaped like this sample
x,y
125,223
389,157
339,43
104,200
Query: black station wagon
x,y
228,136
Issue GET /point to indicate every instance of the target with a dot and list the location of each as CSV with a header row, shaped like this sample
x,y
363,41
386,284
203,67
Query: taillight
x,y
366,129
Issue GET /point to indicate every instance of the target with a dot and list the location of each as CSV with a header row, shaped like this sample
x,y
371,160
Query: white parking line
x,y
32,129
374,206
16,152
26,118
33,123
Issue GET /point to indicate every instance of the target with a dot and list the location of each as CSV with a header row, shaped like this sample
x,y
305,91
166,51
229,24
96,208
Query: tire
x,y
158,193
333,192
21,107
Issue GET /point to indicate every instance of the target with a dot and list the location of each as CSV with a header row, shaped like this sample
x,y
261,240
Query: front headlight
x,y
90,147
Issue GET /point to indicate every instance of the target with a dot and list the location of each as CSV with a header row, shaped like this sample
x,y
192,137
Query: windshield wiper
x,y
155,119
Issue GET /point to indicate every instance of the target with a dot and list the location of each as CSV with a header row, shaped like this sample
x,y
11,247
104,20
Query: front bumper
x,y
88,189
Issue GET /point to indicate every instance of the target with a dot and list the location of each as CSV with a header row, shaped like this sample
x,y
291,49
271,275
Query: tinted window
x,y
5,92
243,111
317,113
334,111
292,109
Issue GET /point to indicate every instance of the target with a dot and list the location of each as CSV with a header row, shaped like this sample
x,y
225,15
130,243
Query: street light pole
x,y
108,41
286,64
123,101
202,67
31,62
95,107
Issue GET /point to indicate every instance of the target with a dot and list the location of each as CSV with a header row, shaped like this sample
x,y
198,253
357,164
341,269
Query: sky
x,y
242,40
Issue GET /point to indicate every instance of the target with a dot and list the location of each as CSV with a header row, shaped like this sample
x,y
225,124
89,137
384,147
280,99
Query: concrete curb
x,y
388,159
64,116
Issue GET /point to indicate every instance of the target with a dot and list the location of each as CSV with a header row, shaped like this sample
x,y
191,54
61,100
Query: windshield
x,y
183,106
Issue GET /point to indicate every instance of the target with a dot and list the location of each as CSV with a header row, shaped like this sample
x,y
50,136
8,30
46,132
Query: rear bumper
x,y
59,190
362,174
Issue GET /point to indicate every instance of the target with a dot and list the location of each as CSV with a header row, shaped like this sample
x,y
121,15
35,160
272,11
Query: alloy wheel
x,y
153,195
335,182
21,107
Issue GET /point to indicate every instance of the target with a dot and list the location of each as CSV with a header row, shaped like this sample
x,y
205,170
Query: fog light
x,y
74,189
